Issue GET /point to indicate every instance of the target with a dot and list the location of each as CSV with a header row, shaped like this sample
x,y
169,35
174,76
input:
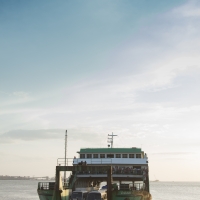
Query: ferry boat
x,y
125,170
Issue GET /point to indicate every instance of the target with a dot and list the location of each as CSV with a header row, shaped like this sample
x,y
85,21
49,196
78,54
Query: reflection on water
x,y
18,190
27,190
175,190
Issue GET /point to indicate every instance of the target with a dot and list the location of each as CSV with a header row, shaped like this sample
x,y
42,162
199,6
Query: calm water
x,y
26,190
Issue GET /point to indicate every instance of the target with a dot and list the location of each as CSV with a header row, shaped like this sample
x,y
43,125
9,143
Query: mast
x,y
65,155
110,140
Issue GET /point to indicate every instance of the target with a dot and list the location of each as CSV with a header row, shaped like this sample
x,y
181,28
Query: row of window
x,y
110,155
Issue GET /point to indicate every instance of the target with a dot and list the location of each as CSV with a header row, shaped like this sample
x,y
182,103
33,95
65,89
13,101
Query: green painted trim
x,y
110,150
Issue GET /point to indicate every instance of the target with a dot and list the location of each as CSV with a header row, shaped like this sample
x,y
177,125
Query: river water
x,y
27,190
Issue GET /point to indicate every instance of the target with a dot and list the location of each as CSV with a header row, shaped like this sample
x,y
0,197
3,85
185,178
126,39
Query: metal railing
x,y
96,161
127,170
135,186
105,172
61,161
139,186
116,170
46,185
76,161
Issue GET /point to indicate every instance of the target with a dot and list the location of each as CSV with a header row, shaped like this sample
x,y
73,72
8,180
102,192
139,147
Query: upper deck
x,y
105,156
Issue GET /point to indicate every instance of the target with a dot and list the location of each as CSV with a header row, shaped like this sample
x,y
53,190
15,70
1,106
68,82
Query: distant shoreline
x,y
19,178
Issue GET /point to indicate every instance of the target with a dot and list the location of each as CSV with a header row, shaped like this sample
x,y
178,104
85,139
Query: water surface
x,y
27,190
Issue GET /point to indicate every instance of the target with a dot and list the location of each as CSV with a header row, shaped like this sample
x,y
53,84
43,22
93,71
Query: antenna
x,y
110,140
65,155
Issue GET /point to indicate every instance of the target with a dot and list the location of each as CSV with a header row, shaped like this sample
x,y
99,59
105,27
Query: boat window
x,y
138,155
89,155
102,155
110,155
124,156
118,155
76,195
131,156
85,195
82,155
95,155
138,185
93,196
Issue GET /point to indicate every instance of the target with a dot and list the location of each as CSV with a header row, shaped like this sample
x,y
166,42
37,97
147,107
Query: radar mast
x,y
110,139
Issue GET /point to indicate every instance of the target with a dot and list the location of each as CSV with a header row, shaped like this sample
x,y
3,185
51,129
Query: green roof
x,y
111,150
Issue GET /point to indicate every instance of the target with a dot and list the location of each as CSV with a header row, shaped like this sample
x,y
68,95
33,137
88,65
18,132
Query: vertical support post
x,y
111,142
56,194
109,183
65,156
147,180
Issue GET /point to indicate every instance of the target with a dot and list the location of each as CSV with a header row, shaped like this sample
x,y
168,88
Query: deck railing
x,y
46,185
76,161
62,161
101,161
114,173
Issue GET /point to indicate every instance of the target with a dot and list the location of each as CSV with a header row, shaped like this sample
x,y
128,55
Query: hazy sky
x,y
97,67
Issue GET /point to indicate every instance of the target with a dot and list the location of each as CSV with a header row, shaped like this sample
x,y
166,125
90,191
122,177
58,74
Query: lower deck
x,y
91,177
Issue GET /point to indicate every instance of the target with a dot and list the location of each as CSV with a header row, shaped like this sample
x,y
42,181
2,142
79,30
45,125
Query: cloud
x,y
14,98
154,60
172,153
142,83
29,135
20,94
50,134
190,9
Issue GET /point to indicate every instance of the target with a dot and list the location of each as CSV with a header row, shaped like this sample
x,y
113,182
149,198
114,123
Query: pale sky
x,y
97,67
